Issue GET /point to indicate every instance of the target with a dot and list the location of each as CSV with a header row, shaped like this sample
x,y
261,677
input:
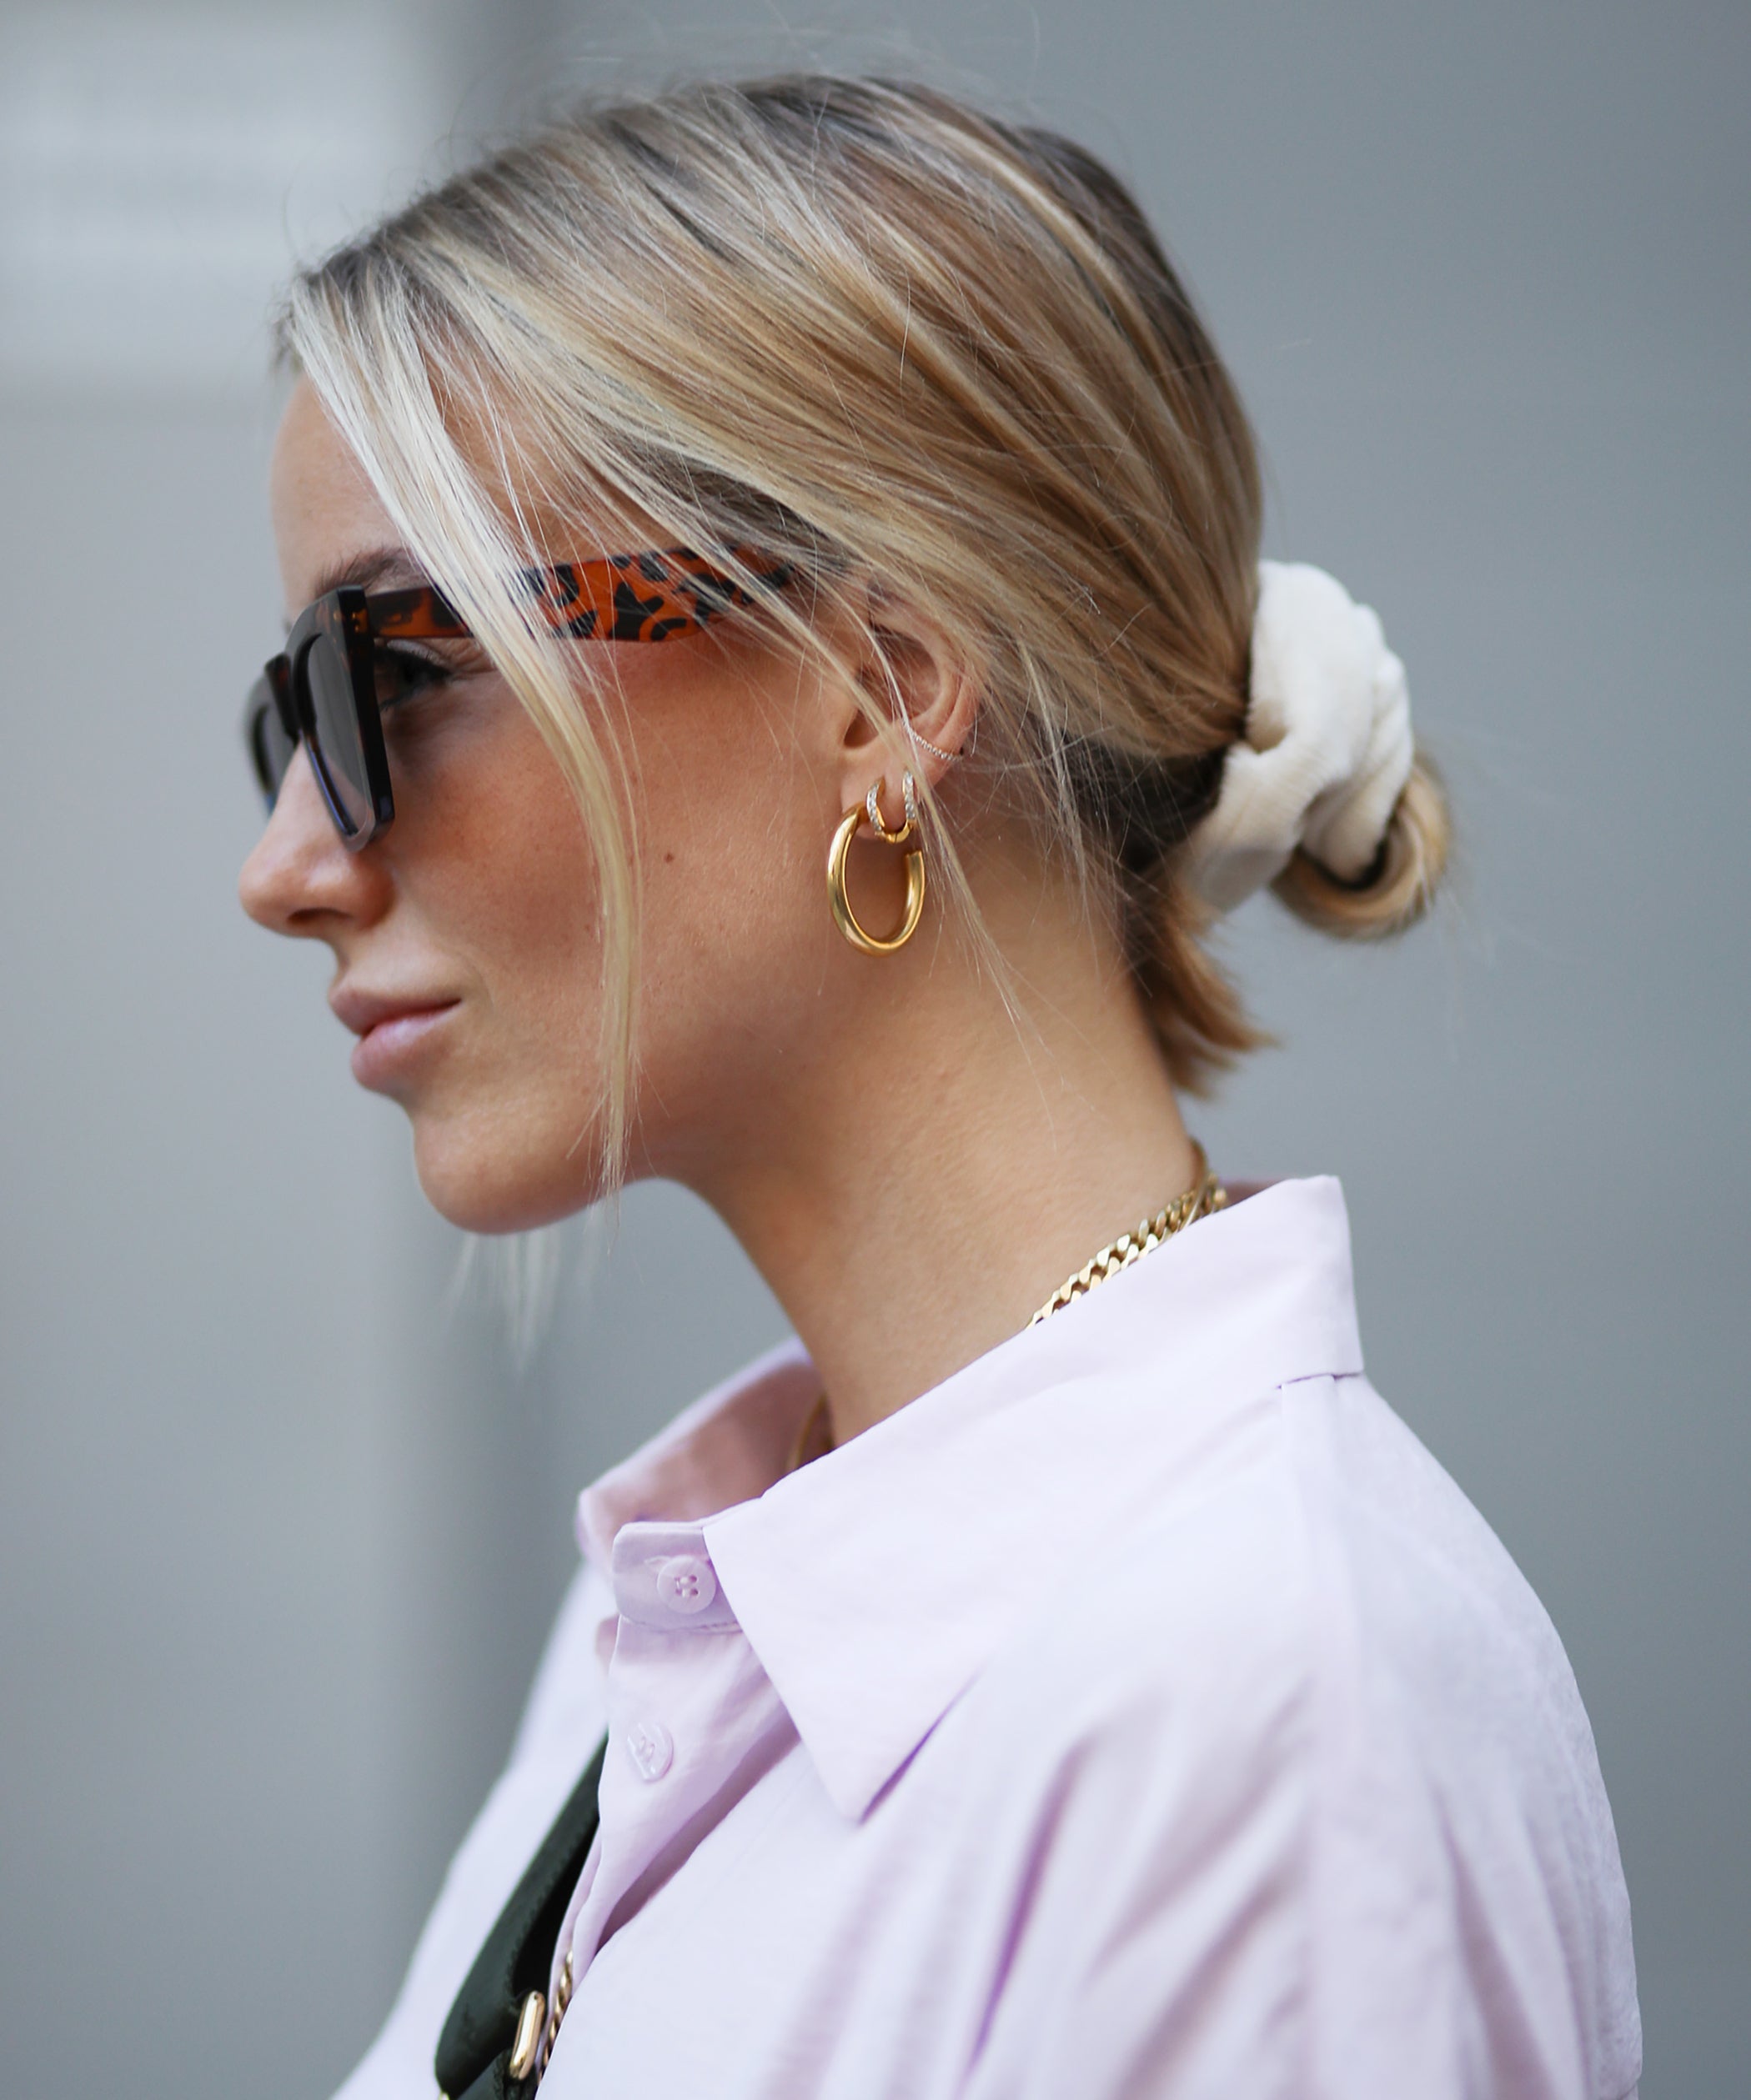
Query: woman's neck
x,y
947,1157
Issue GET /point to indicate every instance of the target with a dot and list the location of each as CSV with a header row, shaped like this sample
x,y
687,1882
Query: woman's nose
x,y
300,877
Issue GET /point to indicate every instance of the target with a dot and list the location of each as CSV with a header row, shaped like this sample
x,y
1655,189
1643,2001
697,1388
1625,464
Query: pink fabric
x,y
1141,1712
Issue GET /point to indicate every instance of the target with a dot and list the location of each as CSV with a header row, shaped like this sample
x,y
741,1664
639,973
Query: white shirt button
x,y
651,1748
686,1584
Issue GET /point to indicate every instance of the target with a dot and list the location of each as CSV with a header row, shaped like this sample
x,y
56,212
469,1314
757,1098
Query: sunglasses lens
x,y
336,750
270,748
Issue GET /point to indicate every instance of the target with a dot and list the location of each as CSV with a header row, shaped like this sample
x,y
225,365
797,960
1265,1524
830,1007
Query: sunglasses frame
x,y
650,597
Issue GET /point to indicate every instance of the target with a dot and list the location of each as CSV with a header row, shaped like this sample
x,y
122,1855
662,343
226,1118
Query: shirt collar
x,y
875,1583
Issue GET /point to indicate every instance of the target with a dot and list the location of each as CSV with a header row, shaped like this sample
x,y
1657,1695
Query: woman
x,y
1059,1673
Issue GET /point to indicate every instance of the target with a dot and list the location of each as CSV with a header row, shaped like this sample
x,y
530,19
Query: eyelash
x,y
423,673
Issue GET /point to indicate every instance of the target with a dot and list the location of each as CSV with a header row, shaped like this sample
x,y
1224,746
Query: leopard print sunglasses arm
x,y
621,597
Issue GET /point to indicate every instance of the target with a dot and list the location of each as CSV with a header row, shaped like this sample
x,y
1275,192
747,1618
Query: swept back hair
x,y
902,346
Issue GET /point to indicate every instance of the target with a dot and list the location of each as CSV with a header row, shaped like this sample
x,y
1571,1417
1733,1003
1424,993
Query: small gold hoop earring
x,y
869,812
909,799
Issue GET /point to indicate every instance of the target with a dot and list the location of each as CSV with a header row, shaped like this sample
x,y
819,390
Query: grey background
x,y
281,1528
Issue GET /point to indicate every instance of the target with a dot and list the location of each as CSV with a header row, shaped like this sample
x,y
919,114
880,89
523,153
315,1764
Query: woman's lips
x,y
388,1049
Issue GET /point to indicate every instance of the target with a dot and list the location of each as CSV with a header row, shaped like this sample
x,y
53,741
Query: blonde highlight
x,y
887,338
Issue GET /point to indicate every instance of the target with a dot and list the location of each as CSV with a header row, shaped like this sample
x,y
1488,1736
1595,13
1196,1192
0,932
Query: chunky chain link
x,y
550,2033
814,1435
1206,1195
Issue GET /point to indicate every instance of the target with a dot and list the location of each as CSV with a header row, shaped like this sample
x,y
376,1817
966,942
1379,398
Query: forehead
x,y
324,510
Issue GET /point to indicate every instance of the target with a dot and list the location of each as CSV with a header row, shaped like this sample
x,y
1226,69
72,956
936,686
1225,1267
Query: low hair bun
x,y
1323,796
957,361
1397,891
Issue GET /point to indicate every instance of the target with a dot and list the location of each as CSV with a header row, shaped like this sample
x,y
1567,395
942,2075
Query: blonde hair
x,y
888,339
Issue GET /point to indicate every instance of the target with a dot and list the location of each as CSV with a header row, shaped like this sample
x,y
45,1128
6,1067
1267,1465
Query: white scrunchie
x,y
1326,747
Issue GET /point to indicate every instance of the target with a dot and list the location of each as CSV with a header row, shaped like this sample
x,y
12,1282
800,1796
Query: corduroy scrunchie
x,y
1326,748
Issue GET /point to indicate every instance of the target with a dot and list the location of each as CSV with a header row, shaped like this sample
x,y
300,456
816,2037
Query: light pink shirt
x,y
1141,1712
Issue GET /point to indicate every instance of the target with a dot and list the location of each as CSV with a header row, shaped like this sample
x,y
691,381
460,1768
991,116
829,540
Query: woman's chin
x,y
483,1187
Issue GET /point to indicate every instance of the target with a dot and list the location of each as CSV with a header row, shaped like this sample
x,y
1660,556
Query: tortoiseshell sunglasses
x,y
328,689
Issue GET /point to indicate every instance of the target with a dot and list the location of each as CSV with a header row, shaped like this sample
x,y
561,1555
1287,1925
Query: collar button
x,y
686,1583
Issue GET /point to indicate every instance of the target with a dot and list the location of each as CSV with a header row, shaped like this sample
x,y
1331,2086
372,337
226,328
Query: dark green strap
x,y
473,2061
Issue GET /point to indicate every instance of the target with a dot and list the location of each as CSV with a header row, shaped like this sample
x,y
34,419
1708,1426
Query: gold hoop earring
x,y
869,812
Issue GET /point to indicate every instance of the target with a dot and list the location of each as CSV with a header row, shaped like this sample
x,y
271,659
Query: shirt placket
x,y
688,1703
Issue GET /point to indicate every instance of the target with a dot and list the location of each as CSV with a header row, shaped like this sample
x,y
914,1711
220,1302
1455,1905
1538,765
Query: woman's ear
x,y
920,692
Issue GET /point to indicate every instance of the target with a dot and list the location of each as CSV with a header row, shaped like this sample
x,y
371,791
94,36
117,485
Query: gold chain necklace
x,y
536,2038
1206,1194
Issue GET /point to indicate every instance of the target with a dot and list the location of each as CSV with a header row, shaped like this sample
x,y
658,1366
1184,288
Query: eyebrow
x,y
370,566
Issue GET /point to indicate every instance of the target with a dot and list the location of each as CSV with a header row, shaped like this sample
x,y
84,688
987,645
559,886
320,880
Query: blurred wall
x,y
279,1529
